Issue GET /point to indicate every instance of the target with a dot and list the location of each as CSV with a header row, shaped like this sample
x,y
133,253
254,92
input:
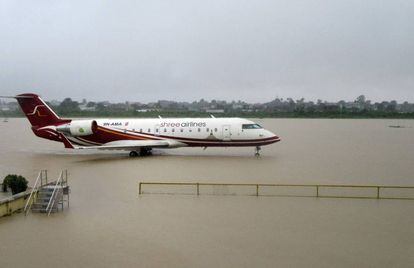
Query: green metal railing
x,y
319,190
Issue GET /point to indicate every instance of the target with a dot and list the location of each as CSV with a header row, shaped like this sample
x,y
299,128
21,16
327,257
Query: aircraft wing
x,y
129,145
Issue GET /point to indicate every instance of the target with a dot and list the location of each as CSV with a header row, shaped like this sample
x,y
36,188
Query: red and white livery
x,y
139,136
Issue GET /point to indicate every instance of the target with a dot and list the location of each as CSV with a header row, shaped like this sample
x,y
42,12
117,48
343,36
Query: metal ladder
x,y
48,196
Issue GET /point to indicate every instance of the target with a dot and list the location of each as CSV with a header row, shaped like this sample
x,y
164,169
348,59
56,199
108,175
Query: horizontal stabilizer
x,y
16,97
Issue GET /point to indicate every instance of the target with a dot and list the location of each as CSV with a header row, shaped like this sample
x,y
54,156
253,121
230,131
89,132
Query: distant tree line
x,y
361,107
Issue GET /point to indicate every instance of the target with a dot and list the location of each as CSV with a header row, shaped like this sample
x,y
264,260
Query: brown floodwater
x,y
108,225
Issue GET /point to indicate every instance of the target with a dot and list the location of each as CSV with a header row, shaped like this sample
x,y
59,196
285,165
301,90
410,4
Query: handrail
x,y
31,193
273,184
53,194
317,187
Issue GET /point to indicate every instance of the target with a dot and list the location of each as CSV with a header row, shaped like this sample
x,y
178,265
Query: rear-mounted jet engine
x,y
77,128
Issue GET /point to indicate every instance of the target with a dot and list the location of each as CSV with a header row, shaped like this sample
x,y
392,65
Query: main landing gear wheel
x,y
257,151
133,154
145,151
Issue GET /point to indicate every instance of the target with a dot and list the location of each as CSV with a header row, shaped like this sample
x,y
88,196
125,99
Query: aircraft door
x,y
226,132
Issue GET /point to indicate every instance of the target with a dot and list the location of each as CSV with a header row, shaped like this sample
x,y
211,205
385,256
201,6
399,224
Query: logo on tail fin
x,y
37,111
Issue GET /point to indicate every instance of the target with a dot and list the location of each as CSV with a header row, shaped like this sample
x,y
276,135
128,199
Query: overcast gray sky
x,y
254,50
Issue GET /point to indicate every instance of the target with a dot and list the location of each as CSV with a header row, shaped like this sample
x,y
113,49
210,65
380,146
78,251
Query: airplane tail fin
x,y
37,111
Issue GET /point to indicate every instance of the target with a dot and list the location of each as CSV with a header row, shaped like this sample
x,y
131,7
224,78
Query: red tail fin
x,y
37,111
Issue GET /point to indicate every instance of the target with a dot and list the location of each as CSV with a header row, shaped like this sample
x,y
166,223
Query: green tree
x,y
361,99
68,106
16,183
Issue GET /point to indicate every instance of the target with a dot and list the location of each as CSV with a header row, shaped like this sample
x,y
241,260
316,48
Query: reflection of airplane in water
x,y
139,136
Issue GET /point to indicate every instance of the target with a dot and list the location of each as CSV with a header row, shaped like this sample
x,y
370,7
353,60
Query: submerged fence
x,y
298,190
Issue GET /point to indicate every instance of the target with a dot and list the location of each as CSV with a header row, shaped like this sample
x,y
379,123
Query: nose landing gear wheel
x,y
257,151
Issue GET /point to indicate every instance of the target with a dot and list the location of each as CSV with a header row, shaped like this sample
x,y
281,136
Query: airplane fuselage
x,y
203,132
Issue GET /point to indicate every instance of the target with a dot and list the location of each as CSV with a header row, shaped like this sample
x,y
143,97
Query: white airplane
x,y
139,136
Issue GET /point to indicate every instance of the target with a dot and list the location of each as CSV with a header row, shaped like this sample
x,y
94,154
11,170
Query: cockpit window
x,y
251,126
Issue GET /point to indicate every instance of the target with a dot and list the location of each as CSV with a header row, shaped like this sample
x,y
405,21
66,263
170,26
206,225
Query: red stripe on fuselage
x,y
231,144
105,135
182,139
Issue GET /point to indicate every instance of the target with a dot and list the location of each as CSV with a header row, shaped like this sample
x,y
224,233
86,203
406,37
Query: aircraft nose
x,y
272,135
269,134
